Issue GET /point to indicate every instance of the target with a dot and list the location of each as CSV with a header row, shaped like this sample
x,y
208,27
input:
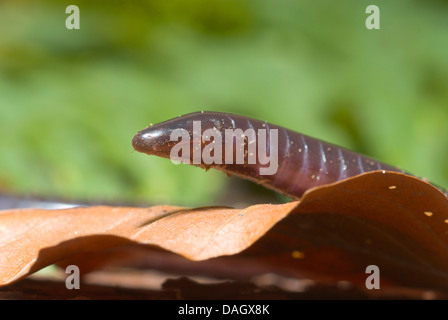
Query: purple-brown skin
x,y
303,162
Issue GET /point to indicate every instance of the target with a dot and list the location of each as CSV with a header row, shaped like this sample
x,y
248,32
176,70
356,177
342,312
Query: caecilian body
x,y
302,162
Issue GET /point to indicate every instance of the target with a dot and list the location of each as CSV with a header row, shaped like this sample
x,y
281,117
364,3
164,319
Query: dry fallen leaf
x,y
331,235
32,239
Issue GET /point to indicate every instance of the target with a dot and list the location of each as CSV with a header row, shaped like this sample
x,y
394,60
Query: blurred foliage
x,y
71,100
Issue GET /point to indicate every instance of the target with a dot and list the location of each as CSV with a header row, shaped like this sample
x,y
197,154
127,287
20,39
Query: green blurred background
x,y
71,100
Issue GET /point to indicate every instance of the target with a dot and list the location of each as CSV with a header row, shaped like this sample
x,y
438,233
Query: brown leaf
x,y
32,239
391,220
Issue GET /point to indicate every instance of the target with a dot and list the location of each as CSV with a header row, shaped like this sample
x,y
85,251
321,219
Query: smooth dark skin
x,y
303,162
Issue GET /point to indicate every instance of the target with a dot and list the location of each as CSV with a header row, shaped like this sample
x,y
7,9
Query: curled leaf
x,y
32,239
393,221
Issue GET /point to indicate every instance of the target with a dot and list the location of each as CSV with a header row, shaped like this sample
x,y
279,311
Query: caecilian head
x,y
160,138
